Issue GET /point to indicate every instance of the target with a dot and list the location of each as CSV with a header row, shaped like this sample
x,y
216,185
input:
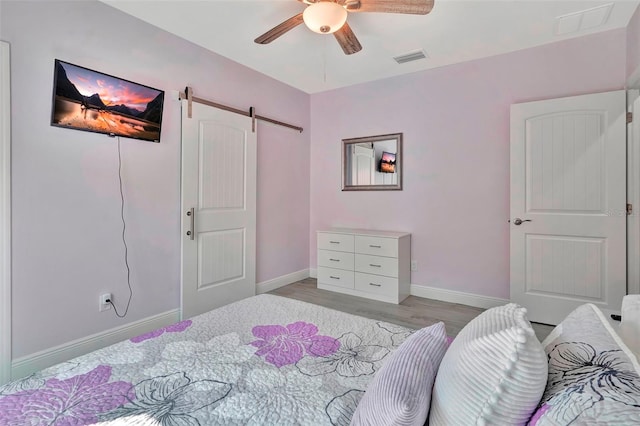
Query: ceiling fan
x,y
330,17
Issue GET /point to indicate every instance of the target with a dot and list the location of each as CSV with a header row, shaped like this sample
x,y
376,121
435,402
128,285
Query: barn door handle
x,y
191,215
518,221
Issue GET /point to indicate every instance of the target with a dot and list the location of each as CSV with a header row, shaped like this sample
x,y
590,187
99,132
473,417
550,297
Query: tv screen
x,y
88,100
388,163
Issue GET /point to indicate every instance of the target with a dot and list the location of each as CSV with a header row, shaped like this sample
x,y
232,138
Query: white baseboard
x,y
281,281
26,365
452,296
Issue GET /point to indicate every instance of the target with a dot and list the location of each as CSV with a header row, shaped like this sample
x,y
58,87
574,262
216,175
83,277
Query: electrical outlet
x,y
414,265
103,303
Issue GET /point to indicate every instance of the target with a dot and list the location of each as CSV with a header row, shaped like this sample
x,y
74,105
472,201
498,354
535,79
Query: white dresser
x,y
366,263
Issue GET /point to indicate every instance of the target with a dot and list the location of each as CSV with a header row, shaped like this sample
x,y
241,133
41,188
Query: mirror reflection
x,y
372,163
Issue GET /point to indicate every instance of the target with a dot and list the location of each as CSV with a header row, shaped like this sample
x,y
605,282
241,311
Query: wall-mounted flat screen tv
x,y
88,100
388,163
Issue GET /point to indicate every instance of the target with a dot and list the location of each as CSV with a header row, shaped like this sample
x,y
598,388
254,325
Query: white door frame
x,y
633,196
5,214
633,82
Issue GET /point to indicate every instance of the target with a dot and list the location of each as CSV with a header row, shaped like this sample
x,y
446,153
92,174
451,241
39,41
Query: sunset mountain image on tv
x,y
84,99
388,163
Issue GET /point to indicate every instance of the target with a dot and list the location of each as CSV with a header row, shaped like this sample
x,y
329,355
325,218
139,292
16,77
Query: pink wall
x,y
66,225
67,251
633,46
455,121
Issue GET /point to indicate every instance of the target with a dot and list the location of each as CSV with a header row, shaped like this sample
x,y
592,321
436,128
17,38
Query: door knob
x,y
518,221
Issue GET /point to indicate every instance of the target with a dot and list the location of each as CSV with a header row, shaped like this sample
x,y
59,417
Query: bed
x,y
262,360
269,360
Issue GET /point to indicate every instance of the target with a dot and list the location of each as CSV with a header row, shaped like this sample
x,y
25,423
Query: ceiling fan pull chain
x,y
324,61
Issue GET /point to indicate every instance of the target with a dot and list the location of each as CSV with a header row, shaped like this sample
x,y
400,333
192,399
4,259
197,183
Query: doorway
x,y
568,226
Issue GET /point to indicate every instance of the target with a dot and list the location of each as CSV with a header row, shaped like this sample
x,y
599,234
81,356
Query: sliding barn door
x,y
568,204
219,152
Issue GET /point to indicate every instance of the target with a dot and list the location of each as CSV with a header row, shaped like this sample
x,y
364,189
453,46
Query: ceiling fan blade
x,y
347,40
414,7
280,29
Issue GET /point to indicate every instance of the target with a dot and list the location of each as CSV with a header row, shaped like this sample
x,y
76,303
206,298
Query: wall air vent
x,y
410,57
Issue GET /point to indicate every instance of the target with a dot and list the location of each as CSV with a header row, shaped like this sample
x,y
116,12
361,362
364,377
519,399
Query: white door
x,y
568,204
363,166
219,153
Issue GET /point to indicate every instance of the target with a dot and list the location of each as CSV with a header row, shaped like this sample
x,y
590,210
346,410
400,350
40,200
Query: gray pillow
x,y
400,393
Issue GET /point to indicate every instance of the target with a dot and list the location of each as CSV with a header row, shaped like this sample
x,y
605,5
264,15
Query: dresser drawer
x,y
377,284
335,259
336,277
377,246
339,242
378,265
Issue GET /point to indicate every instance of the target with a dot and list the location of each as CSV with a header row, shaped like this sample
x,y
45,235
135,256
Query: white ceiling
x,y
455,31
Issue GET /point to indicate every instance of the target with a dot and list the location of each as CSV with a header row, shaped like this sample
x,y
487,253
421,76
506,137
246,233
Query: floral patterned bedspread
x,y
265,360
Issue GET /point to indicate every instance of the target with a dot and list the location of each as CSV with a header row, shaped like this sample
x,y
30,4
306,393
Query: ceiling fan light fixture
x,y
324,17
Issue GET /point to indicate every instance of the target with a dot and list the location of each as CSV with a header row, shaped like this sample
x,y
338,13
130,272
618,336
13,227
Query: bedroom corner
x,y
5,213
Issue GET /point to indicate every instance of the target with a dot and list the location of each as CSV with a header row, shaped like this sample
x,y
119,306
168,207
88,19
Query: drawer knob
x,y
375,266
334,242
374,246
334,278
335,260
375,285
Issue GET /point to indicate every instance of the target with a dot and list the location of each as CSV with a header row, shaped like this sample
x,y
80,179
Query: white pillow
x,y
494,372
400,392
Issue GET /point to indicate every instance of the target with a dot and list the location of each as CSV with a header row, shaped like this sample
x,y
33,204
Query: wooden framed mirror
x,y
372,163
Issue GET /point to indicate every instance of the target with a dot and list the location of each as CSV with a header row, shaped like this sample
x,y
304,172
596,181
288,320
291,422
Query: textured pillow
x,y
493,373
593,376
400,392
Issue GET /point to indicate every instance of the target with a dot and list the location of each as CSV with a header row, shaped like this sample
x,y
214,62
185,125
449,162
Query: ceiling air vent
x,y
410,57
583,20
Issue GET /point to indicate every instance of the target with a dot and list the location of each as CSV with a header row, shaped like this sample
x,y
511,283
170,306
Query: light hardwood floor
x,y
414,312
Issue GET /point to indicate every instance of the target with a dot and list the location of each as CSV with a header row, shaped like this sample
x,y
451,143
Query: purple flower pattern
x,y
74,401
353,359
195,377
174,328
285,345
